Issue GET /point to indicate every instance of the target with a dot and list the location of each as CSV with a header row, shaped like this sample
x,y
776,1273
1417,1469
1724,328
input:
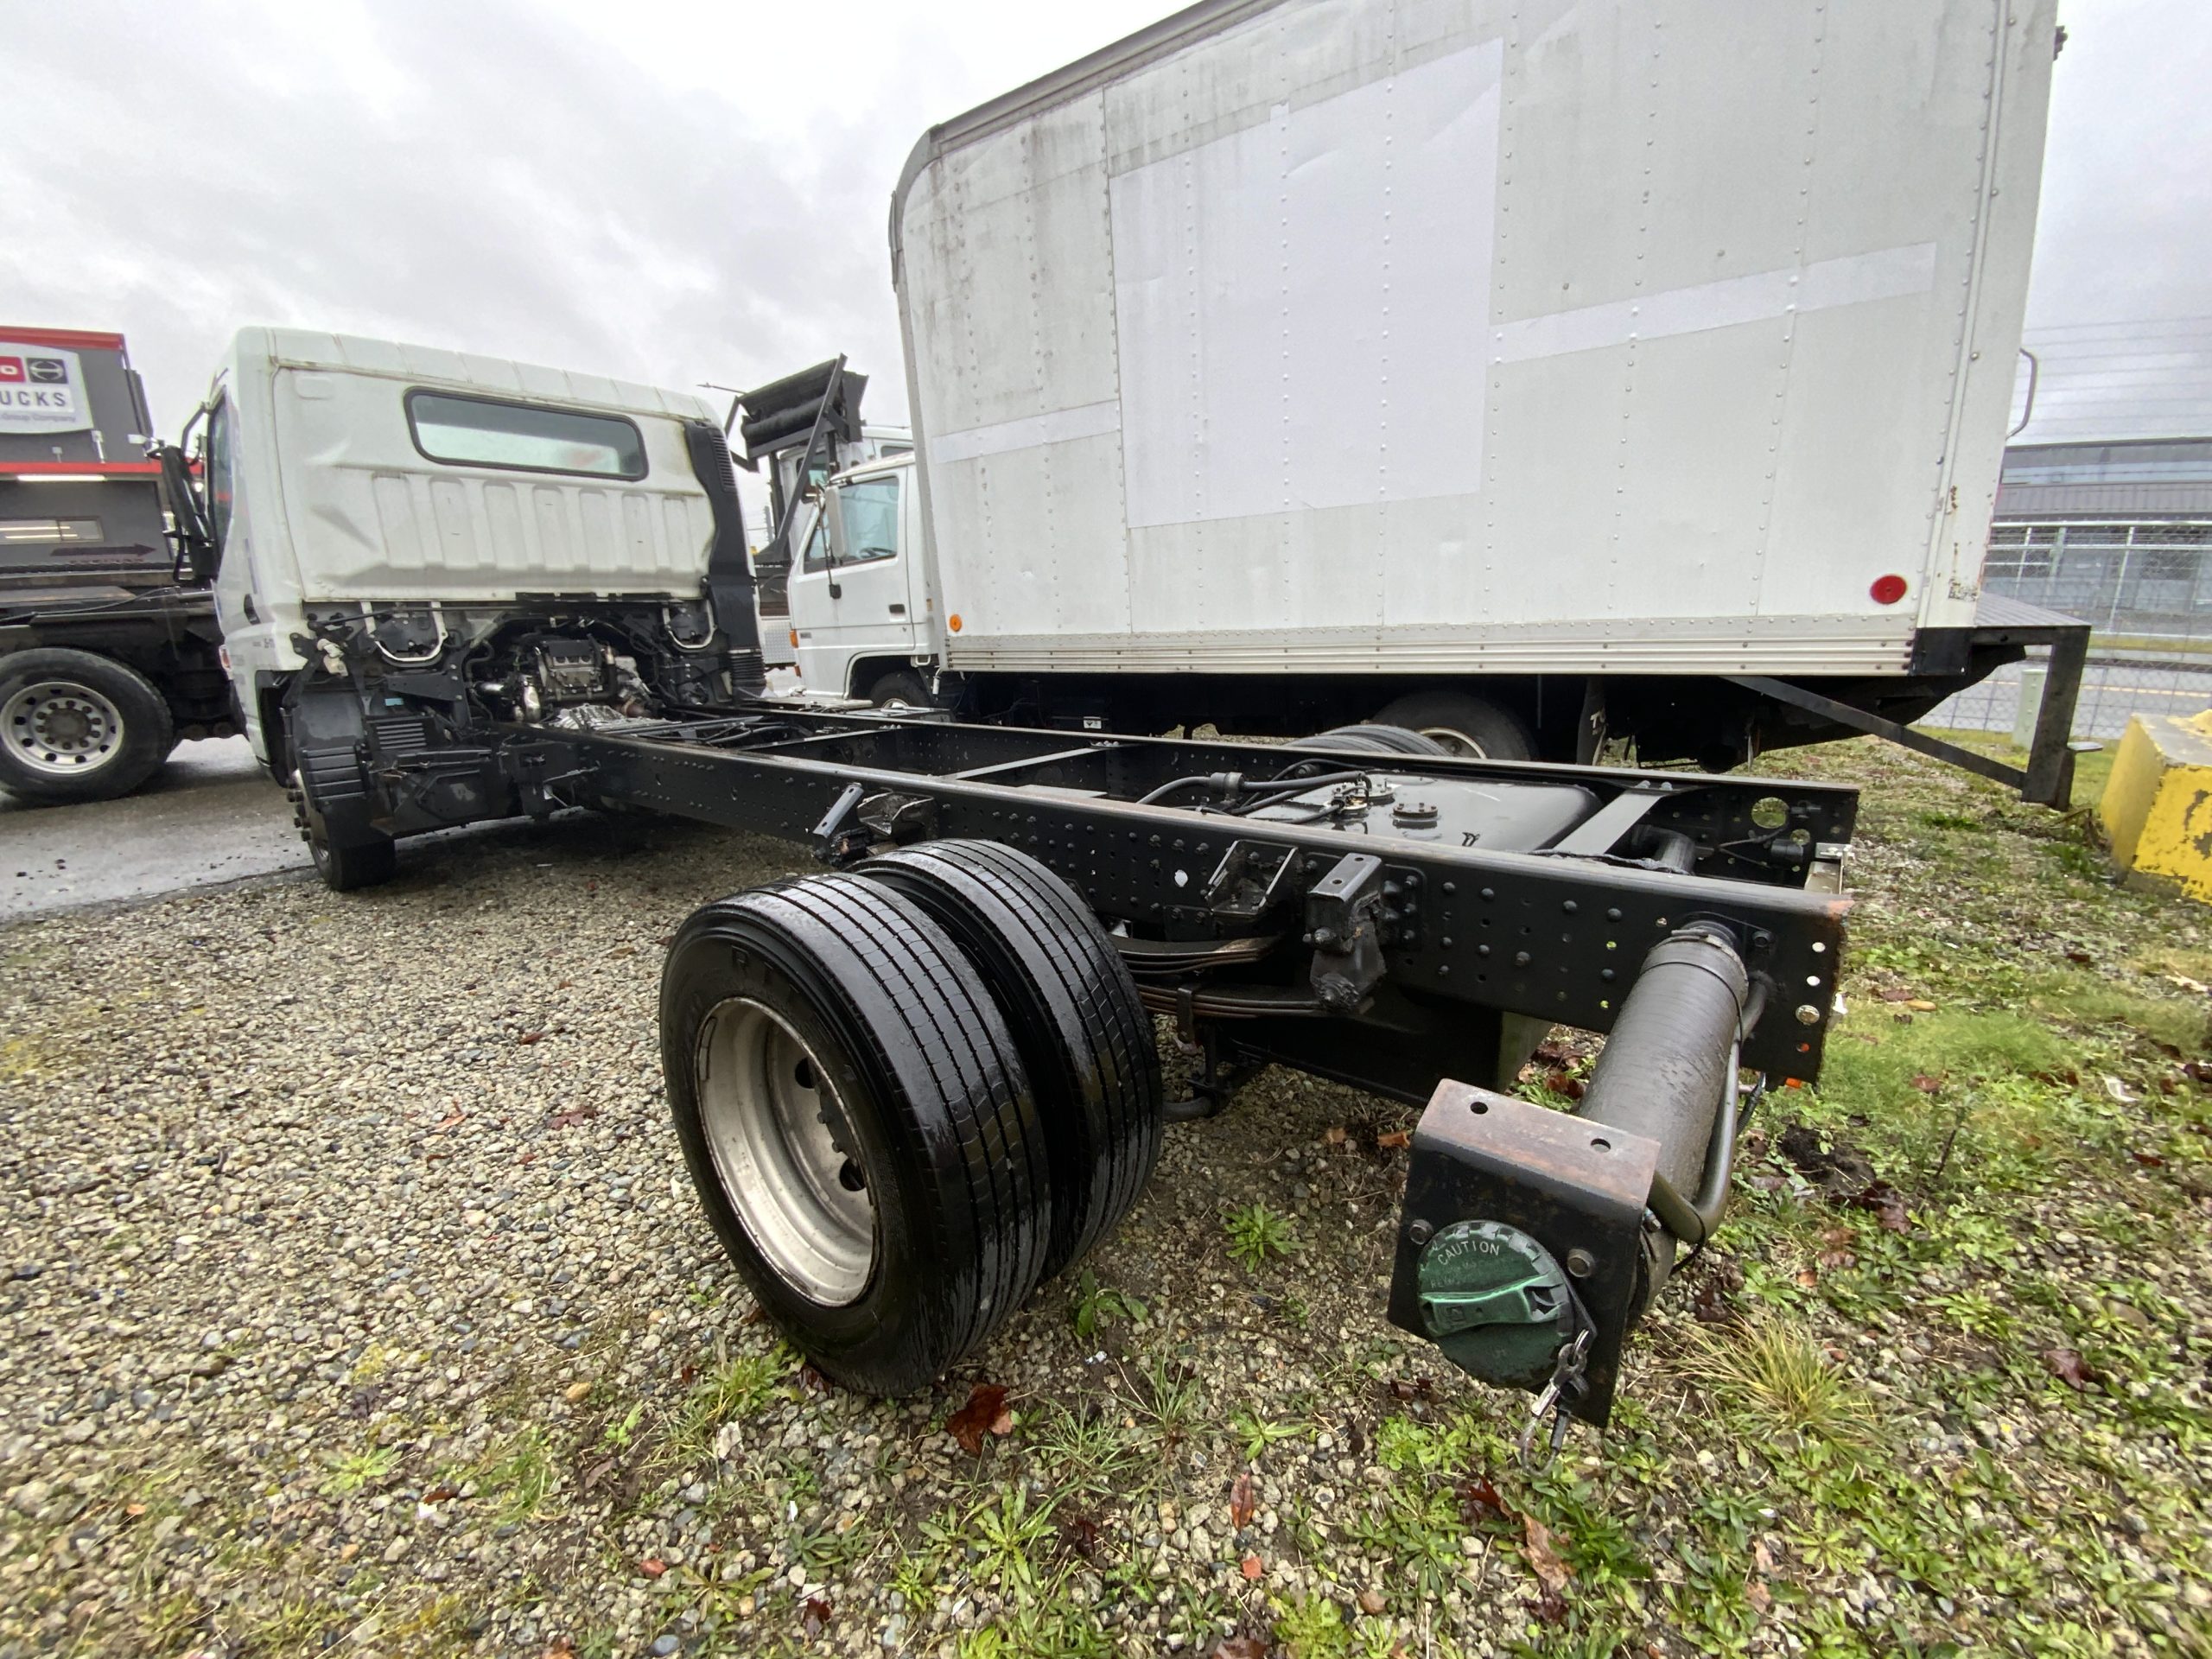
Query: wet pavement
x,y
211,816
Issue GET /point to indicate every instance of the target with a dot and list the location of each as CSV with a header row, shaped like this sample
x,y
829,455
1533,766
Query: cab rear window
x,y
524,437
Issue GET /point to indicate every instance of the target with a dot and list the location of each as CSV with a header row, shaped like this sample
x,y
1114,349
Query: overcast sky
x,y
678,193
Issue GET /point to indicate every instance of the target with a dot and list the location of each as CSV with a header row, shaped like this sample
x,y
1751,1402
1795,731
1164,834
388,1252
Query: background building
x,y
2104,512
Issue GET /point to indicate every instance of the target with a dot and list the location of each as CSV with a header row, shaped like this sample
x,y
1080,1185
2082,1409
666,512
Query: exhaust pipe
x,y
1667,1073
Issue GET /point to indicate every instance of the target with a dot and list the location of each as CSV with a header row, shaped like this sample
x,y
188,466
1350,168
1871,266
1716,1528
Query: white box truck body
x,y
1410,342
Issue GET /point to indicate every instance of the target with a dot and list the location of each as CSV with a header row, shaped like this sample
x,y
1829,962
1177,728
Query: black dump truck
x,y
107,660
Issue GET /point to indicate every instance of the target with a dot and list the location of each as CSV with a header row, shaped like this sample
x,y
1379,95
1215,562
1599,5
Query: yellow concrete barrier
x,y
2158,806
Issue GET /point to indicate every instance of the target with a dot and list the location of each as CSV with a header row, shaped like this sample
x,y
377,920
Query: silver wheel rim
x,y
1455,742
766,1109
60,728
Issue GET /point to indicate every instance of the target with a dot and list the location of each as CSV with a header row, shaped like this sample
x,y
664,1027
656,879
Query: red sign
x,y
11,371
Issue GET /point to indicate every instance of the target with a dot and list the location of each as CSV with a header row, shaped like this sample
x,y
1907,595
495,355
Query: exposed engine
x,y
580,684
405,720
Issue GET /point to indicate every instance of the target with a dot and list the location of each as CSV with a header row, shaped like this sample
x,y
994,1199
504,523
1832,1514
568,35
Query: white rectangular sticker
x,y
41,389
1302,305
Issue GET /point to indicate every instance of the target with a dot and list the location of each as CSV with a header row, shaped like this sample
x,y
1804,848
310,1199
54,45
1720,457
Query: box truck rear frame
x,y
1359,905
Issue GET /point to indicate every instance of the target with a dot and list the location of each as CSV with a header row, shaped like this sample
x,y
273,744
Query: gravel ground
x,y
359,1300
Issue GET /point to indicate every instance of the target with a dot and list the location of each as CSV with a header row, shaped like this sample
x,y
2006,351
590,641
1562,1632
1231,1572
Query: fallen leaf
x,y
624,951
1888,1205
1836,1248
2148,1160
980,1416
1709,1303
814,1617
1920,1005
813,1382
1758,1596
652,1567
1762,1558
1807,1278
2081,956
1417,1388
1371,1602
1926,1084
528,1037
559,1648
1543,1561
450,1120
441,1494
1394,1140
1551,1607
1003,1423
1242,1645
572,1117
577,1393
2068,1366
1479,1500
1334,1135
1251,1567
1243,1502
1079,1534
1895,994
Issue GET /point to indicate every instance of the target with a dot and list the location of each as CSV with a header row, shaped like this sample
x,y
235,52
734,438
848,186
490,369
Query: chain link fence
x,y
2144,588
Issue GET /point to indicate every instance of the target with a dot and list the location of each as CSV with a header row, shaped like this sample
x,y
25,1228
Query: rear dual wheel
x,y
1085,1037
1370,738
890,1153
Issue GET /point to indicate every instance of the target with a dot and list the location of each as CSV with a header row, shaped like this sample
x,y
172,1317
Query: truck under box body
x,y
1430,341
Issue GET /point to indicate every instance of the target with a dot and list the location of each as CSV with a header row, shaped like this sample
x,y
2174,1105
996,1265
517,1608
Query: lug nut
x,y
1420,1232
1581,1263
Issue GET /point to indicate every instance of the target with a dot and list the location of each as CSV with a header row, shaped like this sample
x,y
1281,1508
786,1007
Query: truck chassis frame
x,y
1700,918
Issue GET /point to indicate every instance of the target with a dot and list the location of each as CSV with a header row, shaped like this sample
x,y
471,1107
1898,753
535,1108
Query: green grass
x,y
1257,1233
1093,1305
731,1392
1774,1381
358,1471
519,1477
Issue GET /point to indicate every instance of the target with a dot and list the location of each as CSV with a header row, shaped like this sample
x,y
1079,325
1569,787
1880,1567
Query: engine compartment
x,y
389,730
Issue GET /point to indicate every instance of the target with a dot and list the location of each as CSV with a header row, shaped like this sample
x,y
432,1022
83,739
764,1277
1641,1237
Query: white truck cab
x,y
416,550
411,486
862,618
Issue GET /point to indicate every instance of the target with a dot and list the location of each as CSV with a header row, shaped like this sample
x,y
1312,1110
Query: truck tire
x,y
904,689
1084,1035
78,726
347,864
1374,738
1464,725
858,1125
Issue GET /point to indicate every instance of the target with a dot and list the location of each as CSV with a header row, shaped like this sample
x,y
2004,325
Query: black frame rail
x,y
1555,935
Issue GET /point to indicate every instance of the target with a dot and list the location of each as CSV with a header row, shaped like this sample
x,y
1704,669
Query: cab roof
x,y
301,348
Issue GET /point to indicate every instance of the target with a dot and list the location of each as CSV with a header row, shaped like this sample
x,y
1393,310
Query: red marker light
x,y
1887,590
